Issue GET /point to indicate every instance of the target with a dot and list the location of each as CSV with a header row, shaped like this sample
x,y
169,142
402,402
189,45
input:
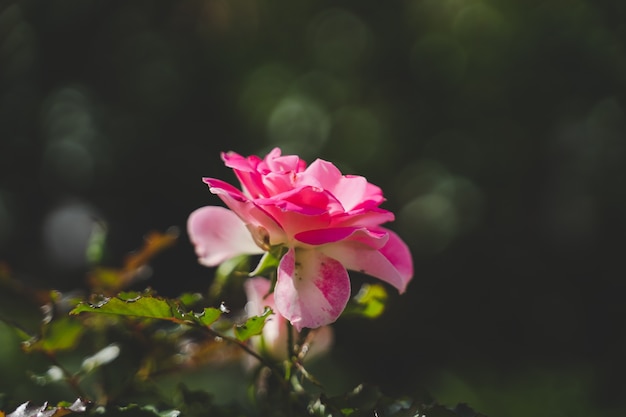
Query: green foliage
x,y
369,302
253,326
290,388
57,335
148,307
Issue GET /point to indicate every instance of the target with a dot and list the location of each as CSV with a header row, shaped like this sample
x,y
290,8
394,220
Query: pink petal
x,y
312,289
245,170
322,174
392,263
257,291
274,336
304,200
259,221
363,217
287,163
398,253
240,163
293,223
351,190
373,239
219,234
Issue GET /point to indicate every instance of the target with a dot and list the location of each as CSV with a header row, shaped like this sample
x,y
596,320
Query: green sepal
x,y
269,261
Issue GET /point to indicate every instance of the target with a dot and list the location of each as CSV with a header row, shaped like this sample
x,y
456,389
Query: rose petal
x,y
293,219
219,234
351,190
373,239
305,200
398,253
240,163
392,263
312,289
246,171
257,291
274,162
363,217
257,218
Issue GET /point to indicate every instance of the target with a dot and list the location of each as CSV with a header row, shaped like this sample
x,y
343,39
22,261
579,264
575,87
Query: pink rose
x,y
273,340
327,221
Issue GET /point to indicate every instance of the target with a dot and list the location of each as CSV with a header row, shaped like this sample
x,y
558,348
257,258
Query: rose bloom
x,y
272,342
328,222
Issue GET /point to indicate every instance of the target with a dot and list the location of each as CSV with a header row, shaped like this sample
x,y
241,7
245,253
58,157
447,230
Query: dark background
x,y
495,128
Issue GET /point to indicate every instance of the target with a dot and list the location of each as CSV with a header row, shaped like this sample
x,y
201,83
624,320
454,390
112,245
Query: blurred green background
x,y
495,128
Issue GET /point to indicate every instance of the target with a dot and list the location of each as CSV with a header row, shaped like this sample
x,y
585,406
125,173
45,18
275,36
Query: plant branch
x,y
70,378
275,371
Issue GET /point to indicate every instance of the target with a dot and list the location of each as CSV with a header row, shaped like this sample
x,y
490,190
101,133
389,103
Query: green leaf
x,y
253,326
130,296
208,316
145,307
369,302
57,335
148,307
189,299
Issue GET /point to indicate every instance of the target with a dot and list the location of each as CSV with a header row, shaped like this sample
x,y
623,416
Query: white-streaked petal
x,y
219,234
312,289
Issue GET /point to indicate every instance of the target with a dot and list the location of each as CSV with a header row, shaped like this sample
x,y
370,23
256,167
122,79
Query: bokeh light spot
x,y
322,86
478,23
433,14
429,223
299,126
467,198
263,89
339,39
68,116
71,136
419,178
69,164
358,133
17,43
439,206
66,233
